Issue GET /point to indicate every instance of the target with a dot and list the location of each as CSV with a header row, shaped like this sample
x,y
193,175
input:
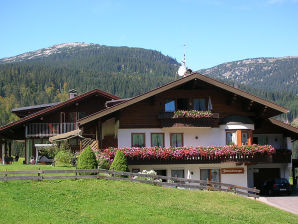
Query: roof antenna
x,y
182,69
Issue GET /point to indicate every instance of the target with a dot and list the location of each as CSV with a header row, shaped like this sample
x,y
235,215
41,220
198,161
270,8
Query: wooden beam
x,y
9,148
3,153
250,105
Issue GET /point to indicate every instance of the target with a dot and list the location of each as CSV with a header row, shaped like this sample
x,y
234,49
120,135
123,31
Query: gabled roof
x,y
176,83
288,127
34,107
58,106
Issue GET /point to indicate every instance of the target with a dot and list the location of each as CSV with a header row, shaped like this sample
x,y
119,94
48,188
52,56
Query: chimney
x,y
72,93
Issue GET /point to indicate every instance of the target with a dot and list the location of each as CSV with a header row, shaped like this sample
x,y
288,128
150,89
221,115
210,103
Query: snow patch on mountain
x,y
44,52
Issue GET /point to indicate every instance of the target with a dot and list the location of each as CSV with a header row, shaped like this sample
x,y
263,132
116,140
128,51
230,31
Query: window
x,y
177,173
72,141
199,104
176,140
244,138
157,139
231,138
182,104
170,106
161,173
138,139
260,140
210,174
239,137
135,170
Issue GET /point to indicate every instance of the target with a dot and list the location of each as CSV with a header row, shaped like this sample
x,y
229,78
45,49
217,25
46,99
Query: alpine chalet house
x,y
197,127
40,122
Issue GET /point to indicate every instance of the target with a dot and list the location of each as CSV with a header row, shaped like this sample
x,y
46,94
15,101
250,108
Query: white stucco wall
x,y
205,136
289,143
237,179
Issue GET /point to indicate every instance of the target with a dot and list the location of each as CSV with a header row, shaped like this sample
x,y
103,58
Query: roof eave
x,y
178,82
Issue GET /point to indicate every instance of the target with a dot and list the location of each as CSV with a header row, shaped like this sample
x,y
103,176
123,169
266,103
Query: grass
x,y
20,166
104,201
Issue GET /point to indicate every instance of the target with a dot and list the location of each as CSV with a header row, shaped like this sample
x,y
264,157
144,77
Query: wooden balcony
x,y
167,120
240,158
49,129
282,156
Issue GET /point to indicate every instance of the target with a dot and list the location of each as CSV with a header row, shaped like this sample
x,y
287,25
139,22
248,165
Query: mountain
x,y
45,75
45,52
275,79
271,74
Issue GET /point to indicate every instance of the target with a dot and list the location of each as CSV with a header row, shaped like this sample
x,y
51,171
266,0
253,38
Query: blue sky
x,y
214,31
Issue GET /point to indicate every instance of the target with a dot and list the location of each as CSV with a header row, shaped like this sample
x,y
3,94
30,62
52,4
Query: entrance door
x,y
263,174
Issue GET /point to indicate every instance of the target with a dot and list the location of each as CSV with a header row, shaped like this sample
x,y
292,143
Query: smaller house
x,y
38,123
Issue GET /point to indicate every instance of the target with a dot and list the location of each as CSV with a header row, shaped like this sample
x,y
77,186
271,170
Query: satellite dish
x,y
182,70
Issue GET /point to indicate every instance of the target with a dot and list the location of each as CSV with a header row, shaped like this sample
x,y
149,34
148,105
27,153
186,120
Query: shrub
x,y
49,152
87,159
65,146
119,162
63,158
103,164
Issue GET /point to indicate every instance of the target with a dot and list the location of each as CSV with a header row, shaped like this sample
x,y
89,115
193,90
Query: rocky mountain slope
x,y
272,74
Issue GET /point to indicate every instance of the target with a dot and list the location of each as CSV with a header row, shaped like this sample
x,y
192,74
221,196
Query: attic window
x,y
199,104
170,106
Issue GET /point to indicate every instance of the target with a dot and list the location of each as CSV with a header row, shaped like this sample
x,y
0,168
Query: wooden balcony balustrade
x,y
167,120
49,129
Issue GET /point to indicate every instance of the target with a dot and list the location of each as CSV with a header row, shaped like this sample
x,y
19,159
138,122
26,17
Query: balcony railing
x,y
168,120
49,129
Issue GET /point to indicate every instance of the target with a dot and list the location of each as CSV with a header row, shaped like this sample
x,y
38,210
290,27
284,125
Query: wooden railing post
x,y
5,176
38,174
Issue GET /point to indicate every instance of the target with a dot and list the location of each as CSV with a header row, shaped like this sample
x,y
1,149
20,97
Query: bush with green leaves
x,y
119,162
49,152
87,159
63,158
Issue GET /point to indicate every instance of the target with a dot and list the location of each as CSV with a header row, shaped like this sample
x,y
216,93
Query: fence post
x,y
76,173
5,176
38,174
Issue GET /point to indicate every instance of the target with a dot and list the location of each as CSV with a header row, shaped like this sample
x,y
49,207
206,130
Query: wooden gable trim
x,y
284,125
176,83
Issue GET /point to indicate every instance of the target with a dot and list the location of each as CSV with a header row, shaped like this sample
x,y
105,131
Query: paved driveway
x,y
287,203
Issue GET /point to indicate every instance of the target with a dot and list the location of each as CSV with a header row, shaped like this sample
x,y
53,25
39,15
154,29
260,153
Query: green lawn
x,y
20,166
104,201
